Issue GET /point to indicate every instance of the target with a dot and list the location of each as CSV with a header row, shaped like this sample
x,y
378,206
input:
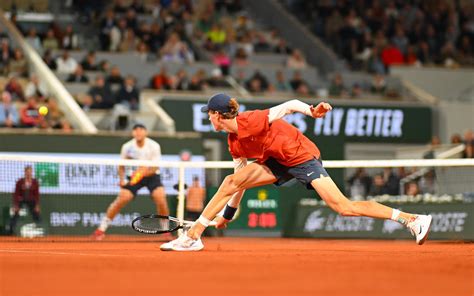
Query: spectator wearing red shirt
x,y
391,55
26,193
161,80
29,114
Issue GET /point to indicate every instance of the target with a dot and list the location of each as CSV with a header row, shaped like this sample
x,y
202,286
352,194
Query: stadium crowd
x,y
361,184
373,35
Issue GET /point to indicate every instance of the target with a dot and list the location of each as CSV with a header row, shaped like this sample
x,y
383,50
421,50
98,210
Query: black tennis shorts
x,y
151,182
305,172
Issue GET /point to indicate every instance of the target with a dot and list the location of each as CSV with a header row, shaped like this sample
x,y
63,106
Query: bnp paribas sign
x,y
348,123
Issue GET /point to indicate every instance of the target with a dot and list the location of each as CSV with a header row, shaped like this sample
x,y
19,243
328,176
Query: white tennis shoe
x,y
420,227
183,243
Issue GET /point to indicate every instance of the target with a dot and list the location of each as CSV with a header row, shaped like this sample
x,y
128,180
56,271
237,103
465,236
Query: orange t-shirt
x,y
259,139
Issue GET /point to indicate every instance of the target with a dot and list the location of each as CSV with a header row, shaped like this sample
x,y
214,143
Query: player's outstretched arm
x,y
293,106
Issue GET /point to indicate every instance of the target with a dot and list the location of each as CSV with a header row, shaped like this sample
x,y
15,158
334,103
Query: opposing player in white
x,y
142,148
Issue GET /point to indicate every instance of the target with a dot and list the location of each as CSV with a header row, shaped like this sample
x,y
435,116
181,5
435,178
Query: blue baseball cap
x,y
218,102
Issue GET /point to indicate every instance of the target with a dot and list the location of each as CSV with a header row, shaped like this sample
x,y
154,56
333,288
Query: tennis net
x,y
75,192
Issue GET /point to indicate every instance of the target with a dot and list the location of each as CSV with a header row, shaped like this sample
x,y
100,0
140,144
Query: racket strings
x,y
156,224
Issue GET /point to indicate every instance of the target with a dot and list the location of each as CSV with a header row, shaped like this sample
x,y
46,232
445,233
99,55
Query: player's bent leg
x,y
159,197
252,175
419,225
124,197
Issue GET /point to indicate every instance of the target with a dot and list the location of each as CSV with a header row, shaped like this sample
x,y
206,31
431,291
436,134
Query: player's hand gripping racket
x,y
157,224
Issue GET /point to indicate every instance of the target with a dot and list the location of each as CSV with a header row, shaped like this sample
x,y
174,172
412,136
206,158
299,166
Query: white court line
x,y
67,253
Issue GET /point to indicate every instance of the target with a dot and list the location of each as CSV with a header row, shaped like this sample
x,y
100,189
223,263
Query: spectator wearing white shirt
x,y
66,64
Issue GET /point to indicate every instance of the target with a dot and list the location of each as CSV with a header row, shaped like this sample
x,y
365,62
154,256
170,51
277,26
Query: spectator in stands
x,y
241,58
337,86
359,183
8,112
78,75
431,153
120,6
114,79
222,60
161,80
412,189
102,96
392,181
215,37
378,186
69,39
131,19
281,83
35,87
456,139
375,63
15,89
243,25
427,183
66,64
245,42
104,66
282,47
175,50
391,55
117,34
411,57
296,60
379,85
18,65
197,82
129,41
138,6
29,114
400,41
6,54
33,40
157,37
297,80
106,25
129,94
143,52
49,60
304,90
26,193
181,80
262,84
195,200
89,63
217,79
469,142
50,42
356,91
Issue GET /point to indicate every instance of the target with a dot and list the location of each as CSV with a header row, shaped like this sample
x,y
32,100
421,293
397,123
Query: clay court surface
x,y
238,266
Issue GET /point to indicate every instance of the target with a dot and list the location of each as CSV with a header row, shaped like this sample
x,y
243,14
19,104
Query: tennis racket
x,y
157,224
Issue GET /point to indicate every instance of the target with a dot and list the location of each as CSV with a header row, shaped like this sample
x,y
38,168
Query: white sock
x,y
395,214
396,217
104,224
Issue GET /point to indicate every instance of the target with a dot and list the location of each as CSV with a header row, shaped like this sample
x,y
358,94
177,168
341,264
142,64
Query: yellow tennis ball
x,y
43,110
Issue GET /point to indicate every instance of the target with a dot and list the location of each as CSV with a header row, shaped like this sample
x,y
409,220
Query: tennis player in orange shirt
x,y
282,153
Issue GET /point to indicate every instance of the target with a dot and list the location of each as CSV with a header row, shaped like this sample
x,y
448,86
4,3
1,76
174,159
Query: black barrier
x,y
451,221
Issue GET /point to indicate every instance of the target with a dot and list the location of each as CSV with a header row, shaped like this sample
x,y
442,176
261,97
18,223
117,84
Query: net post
x,y
181,195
